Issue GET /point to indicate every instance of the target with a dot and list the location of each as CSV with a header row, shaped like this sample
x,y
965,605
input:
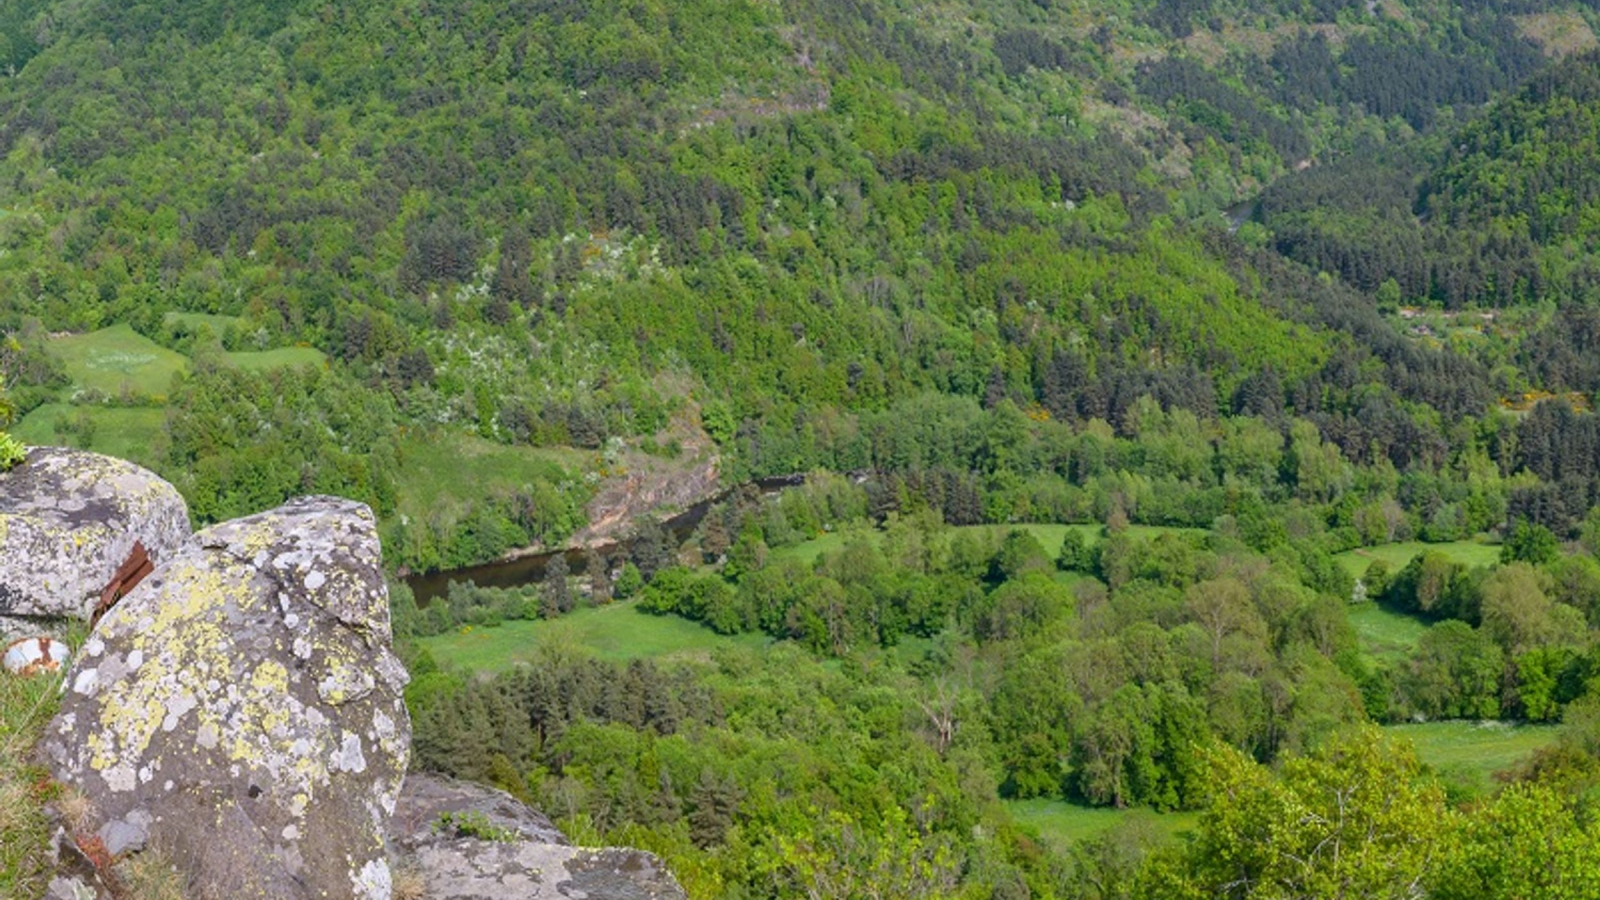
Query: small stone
x,y
70,889
122,835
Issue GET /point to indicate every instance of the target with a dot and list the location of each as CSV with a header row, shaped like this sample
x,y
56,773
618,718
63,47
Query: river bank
x,y
528,566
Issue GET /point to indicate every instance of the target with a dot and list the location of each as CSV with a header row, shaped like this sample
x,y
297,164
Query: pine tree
x,y
557,593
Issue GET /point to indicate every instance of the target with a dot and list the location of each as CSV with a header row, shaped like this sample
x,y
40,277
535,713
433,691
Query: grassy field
x,y
1061,822
1471,553
115,358
281,358
1473,751
1385,635
128,433
618,632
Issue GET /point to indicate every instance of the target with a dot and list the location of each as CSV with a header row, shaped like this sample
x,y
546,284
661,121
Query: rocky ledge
x,y
240,712
466,842
68,521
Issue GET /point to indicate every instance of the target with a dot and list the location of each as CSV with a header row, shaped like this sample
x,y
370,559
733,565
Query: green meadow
x,y
1060,822
1472,752
119,360
1469,553
129,432
617,632
1385,634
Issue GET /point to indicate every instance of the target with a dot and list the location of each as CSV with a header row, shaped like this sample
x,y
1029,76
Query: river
x,y
1240,213
529,569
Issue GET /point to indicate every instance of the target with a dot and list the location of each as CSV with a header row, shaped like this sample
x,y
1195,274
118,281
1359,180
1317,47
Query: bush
x,y
12,453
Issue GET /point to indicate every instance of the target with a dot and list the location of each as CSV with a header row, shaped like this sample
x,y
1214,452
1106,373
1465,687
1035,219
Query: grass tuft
x,y
149,876
26,705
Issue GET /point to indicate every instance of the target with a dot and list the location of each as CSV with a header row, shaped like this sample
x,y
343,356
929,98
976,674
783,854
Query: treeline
x,y
750,774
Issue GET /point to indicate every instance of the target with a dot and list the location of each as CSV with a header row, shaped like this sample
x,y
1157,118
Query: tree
x,y
1532,841
512,284
1530,542
651,549
1075,554
1428,585
1517,613
598,568
1019,553
1357,819
1222,608
713,805
1453,673
556,591
1320,471
1112,754
629,581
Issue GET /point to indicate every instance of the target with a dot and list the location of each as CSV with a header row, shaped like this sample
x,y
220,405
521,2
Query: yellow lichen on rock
x,y
251,674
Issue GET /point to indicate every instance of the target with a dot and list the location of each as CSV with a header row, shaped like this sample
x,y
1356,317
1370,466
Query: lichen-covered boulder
x,y
241,710
466,842
68,521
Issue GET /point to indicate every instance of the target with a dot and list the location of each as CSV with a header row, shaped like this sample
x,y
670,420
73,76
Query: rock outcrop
x,y
241,710
68,521
466,842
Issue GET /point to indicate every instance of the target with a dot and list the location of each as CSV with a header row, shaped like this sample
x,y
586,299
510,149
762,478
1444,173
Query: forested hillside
x,y
553,225
1497,212
1215,378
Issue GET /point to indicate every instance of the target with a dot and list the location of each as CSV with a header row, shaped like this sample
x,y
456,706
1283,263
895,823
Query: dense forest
x,y
1192,394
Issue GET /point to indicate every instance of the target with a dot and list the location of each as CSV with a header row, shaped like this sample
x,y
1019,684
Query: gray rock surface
x,y
68,520
241,710
531,860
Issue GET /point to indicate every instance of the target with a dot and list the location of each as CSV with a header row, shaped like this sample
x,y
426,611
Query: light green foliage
x,y
12,453
1320,471
1355,819
1530,841
1518,613
472,824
